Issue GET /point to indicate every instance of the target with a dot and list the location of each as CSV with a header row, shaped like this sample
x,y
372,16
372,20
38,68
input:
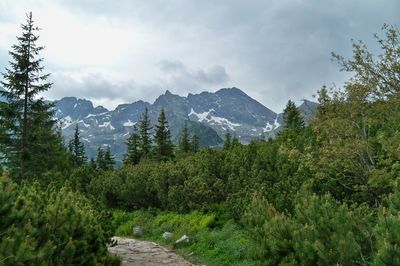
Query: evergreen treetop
x,y
145,141
100,162
292,117
162,138
228,141
194,143
184,142
133,155
77,149
109,159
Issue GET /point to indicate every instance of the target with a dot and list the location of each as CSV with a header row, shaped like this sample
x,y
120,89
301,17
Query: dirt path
x,y
138,252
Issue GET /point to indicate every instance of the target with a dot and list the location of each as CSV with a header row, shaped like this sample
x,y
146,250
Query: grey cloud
x,y
213,75
180,78
168,66
90,86
100,90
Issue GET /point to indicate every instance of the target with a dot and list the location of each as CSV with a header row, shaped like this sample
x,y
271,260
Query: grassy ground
x,y
212,242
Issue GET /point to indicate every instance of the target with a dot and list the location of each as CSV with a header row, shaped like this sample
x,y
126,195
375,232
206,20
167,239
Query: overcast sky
x,y
114,52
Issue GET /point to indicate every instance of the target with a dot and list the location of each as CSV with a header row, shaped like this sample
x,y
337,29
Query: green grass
x,y
211,242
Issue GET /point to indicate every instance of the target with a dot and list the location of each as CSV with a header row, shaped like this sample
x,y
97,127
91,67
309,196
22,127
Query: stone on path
x,y
137,252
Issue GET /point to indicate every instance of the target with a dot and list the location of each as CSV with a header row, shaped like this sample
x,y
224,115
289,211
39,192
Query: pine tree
x,y
101,165
194,143
164,146
77,149
133,155
292,117
184,143
28,140
145,141
93,164
228,141
109,159
235,141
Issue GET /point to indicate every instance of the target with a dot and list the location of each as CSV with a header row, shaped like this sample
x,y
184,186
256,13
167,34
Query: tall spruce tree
x,y
100,162
235,141
164,147
109,159
133,155
27,138
77,149
184,142
93,164
194,143
145,141
228,141
292,116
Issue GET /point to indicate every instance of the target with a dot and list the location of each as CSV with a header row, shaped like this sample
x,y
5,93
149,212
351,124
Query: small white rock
x,y
137,231
167,235
183,239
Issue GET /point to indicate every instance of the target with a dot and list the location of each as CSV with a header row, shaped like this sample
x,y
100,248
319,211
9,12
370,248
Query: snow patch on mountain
x,y
91,115
268,127
129,123
276,123
107,125
84,124
66,122
212,120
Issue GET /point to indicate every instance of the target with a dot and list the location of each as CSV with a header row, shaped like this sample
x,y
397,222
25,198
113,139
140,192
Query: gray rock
x,y
168,235
137,231
183,239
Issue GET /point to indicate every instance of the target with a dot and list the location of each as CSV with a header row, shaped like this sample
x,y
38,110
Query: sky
x,y
114,52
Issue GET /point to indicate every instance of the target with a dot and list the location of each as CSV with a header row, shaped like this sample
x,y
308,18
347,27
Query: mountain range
x,y
209,115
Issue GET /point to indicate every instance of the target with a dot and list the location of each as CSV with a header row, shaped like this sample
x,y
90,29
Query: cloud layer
x,y
273,50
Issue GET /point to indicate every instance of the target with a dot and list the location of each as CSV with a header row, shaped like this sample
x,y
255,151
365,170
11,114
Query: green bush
x,y
49,227
387,233
320,232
